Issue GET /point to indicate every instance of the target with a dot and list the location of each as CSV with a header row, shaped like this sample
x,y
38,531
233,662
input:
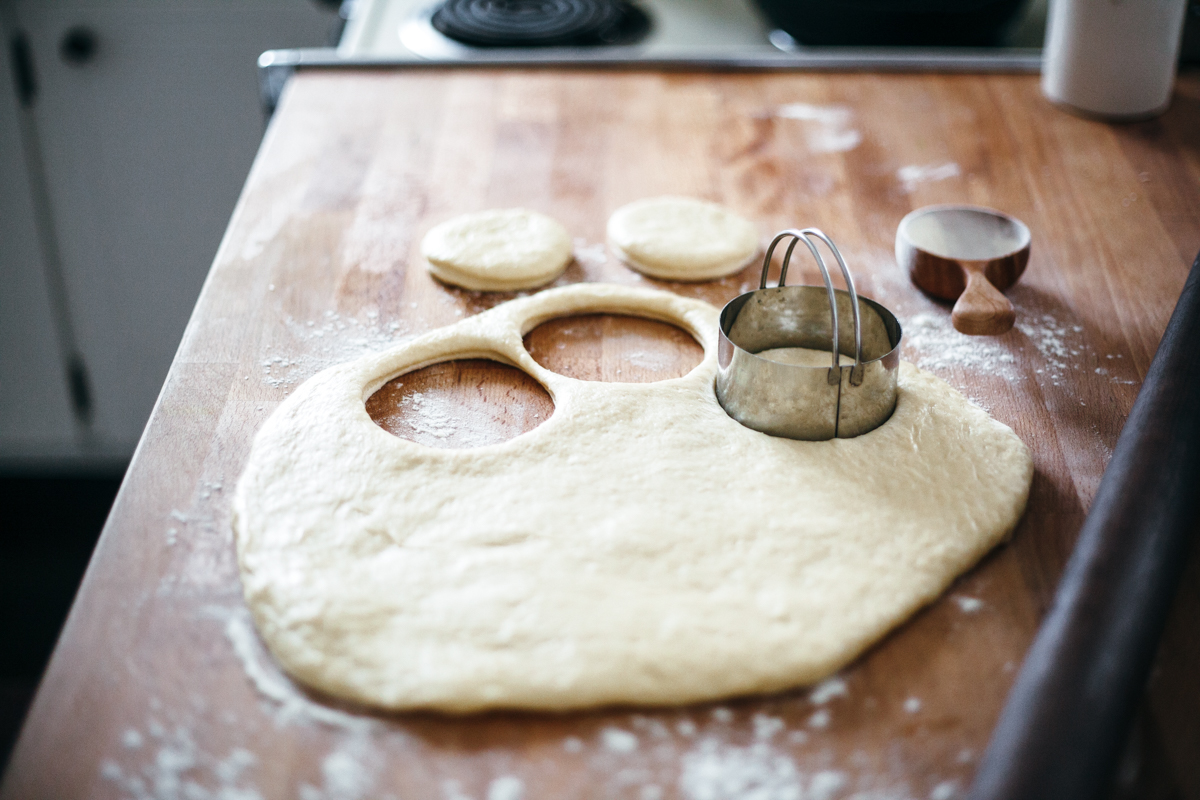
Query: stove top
x,y
654,34
611,30
552,30
662,32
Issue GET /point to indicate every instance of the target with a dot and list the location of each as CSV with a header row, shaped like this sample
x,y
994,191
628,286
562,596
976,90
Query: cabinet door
x,y
147,136
35,417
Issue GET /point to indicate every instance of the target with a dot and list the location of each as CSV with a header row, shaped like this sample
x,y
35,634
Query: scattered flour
x,y
619,741
590,255
230,770
433,417
208,562
912,705
831,132
825,784
931,342
266,229
330,340
506,787
715,772
651,791
652,360
765,727
1052,340
713,769
291,705
968,605
651,727
347,773
179,770
827,689
432,414
943,791
913,175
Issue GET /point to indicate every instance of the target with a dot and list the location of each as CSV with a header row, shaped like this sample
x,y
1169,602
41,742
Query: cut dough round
x,y
498,250
640,546
681,238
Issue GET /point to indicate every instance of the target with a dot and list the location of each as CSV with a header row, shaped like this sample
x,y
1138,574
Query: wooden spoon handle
x,y
981,309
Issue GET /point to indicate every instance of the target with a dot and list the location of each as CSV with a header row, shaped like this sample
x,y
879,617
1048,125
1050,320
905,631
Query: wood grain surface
x,y
160,688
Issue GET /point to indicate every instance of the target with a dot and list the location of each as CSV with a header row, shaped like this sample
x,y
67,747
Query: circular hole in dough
x,y
460,404
498,250
682,238
614,348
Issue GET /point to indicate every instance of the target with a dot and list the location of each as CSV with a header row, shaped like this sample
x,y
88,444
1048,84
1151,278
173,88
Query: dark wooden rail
x,y
1068,715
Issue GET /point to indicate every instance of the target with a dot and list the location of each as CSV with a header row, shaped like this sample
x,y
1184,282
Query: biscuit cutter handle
x,y
1068,714
982,309
807,235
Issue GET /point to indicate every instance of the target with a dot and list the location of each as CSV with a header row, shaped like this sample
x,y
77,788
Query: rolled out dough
x,y
498,250
682,238
639,547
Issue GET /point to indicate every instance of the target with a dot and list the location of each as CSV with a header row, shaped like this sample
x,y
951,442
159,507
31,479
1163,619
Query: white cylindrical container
x,y
1112,58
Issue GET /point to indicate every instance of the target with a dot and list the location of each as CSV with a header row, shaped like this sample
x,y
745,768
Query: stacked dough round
x,y
671,238
498,250
682,239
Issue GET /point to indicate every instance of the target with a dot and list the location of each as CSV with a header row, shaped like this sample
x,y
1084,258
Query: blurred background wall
x,y
127,128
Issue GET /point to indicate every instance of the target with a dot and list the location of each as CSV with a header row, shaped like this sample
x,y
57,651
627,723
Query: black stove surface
x,y
540,23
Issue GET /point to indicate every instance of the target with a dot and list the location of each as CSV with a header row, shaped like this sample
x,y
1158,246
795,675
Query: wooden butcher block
x,y
160,686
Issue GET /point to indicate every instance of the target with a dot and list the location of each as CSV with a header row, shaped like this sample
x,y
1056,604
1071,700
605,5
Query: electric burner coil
x,y
540,23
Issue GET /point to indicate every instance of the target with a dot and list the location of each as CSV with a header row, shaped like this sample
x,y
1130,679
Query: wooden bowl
x,y
969,254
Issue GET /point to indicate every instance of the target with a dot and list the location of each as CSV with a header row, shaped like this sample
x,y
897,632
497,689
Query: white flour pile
x,y
931,342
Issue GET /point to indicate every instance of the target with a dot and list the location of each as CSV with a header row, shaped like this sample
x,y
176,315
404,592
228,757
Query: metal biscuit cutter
x,y
783,392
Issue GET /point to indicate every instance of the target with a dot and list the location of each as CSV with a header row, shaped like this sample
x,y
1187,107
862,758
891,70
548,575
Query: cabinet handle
x,y
79,45
22,67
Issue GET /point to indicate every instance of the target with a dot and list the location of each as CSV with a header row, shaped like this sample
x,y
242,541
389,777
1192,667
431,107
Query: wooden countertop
x,y
159,686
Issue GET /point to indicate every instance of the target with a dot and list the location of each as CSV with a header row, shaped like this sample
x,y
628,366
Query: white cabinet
x,y
145,142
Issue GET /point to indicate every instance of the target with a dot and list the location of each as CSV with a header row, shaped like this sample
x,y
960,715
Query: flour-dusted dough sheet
x,y
498,250
682,238
638,547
